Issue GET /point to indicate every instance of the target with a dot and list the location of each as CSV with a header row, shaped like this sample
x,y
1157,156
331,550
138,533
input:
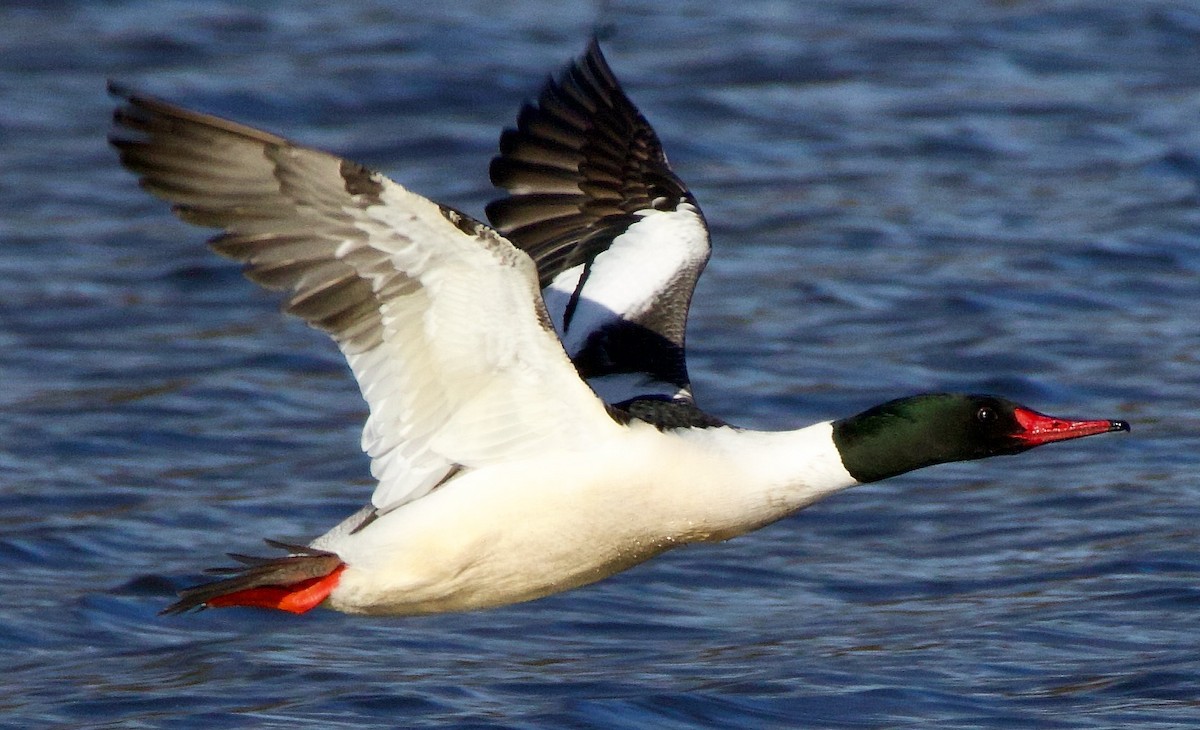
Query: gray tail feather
x,y
300,564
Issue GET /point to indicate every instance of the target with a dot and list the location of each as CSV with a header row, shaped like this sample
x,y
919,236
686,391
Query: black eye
x,y
985,415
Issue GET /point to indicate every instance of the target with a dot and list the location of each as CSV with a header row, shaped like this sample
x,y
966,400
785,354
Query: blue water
x,y
905,197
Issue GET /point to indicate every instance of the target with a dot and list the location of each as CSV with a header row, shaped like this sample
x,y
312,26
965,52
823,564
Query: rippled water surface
x,y
905,197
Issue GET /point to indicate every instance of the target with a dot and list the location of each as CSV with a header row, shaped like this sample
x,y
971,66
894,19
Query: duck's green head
x,y
923,430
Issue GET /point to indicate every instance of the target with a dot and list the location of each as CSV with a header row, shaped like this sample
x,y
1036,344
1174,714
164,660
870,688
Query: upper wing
x,y
439,317
618,240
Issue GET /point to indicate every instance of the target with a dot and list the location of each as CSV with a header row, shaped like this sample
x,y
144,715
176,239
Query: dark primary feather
x,y
284,209
580,163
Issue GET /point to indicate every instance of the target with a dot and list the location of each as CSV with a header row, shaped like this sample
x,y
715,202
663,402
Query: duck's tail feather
x,y
296,582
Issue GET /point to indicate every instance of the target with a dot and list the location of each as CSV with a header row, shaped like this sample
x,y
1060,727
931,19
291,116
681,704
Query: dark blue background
x,y
905,196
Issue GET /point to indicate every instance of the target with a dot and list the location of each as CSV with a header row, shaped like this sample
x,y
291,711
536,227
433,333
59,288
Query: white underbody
x,y
531,527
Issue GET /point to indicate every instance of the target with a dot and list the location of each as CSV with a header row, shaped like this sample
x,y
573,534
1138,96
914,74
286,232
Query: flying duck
x,y
532,427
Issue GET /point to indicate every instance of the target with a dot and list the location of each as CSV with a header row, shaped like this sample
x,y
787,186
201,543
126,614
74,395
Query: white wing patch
x,y
651,266
466,374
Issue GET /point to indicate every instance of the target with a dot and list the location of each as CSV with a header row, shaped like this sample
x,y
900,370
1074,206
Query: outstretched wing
x,y
617,238
439,317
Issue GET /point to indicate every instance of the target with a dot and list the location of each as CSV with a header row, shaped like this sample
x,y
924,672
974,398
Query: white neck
x,y
752,478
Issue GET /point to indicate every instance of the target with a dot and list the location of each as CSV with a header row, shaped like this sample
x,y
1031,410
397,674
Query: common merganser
x,y
532,428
